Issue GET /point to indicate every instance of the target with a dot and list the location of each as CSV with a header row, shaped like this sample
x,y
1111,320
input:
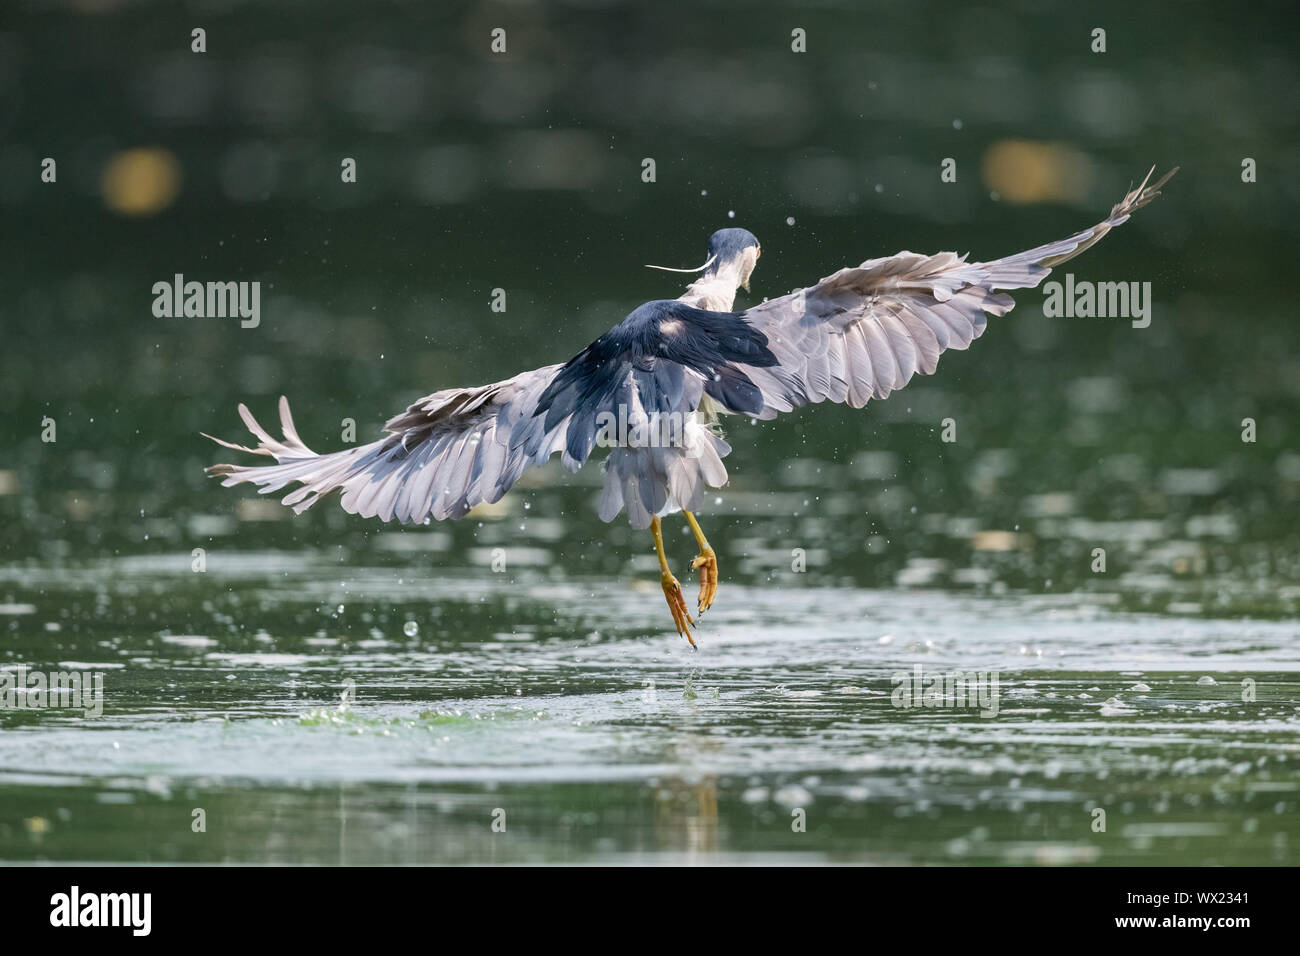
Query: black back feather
x,y
651,348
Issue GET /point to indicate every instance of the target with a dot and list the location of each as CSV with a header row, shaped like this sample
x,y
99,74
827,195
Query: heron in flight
x,y
653,390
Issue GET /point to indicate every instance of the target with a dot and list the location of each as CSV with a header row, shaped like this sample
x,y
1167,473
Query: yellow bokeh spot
x,y
998,541
141,182
1022,171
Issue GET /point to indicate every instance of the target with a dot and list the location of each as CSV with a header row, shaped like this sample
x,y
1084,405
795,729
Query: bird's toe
x,y
677,605
706,563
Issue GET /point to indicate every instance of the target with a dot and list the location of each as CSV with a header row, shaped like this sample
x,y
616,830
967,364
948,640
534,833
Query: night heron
x,y
652,389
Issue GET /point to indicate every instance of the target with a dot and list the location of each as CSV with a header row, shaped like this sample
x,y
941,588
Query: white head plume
x,y
696,269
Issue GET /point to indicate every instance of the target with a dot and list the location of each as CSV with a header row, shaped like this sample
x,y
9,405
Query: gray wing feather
x,y
446,453
864,331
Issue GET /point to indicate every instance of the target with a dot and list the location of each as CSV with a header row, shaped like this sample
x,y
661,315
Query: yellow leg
x,y
672,590
706,562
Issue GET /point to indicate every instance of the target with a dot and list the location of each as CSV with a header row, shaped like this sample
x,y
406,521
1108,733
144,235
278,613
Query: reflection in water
x,y
686,817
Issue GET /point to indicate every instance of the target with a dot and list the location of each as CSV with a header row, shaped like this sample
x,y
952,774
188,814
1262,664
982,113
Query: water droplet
x,y
410,629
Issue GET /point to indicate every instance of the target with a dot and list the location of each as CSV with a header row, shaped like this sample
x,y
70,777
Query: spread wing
x,y
865,331
446,453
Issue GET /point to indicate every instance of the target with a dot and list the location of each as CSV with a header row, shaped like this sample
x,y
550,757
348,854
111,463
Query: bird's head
x,y
733,253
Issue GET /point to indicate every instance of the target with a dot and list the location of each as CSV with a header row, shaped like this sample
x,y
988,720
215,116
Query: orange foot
x,y
677,604
706,562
